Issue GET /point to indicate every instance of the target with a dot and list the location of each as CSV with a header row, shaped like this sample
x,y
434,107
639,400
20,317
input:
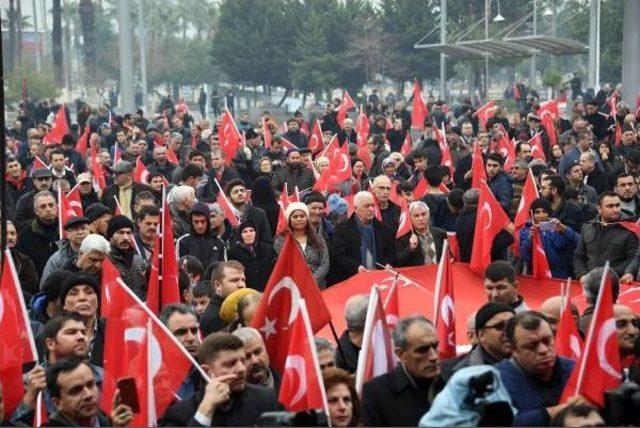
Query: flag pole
x,y
337,339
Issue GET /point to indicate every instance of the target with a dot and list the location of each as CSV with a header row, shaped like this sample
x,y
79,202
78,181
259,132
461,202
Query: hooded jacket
x,y
205,247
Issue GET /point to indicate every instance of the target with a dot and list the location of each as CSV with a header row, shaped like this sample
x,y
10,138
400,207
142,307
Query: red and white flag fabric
x,y
266,134
537,151
117,154
490,220
376,355
75,200
419,112
339,170
65,212
477,167
290,281
109,279
392,305
569,343
163,281
140,174
230,212
118,208
550,128
421,188
362,129
283,203
332,149
59,127
83,142
598,368
484,113
346,105
539,263
40,416
529,194
404,226
612,102
618,136
446,159
38,163
316,143
229,137
138,345
171,156
507,149
302,387
549,108
406,145
443,306
17,346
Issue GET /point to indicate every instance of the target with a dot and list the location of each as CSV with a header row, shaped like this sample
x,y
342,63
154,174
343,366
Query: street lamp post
x,y
443,57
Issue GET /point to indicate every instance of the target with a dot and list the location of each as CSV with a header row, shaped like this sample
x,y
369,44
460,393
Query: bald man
x,y
627,328
552,307
390,212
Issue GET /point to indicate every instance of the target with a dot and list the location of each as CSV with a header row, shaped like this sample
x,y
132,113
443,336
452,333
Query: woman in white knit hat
x,y
312,245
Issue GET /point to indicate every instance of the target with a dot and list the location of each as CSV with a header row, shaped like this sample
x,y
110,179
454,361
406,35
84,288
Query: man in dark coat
x,y
355,314
226,278
294,135
38,240
423,243
124,189
228,400
362,242
128,262
200,242
499,182
42,179
402,396
236,192
294,174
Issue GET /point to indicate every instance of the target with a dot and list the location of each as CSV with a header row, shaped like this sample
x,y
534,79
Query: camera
x,y
491,413
313,418
622,404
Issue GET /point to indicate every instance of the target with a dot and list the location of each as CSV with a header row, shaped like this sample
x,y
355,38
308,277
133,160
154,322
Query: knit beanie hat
x,y
489,310
78,278
118,222
337,205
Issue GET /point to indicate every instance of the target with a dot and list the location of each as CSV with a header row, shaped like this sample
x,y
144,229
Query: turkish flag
x,y
419,112
16,341
316,143
376,354
612,102
477,167
529,194
452,238
331,149
229,137
484,113
362,129
569,343
346,105
446,159
490,220
537,151
421,188
618,136
163,281
290,281
550,128
598,368
75,200
40,418
539,263
392,306
59,128
155,358
302,387
38,163
406,145
109,279
339,170
549,108
230,212
99,181
83,142
266,134
507,149
171,156
65,212
364,154
283,203
405,220
140,174
443,306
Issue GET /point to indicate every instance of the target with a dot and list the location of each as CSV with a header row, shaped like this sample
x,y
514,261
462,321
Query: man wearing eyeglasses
x,y
402,396
182,322
493,344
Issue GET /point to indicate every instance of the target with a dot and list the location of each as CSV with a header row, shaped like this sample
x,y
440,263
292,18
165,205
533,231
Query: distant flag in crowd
x,y
362,129
65,212
316,143
339,170
443,306
392,305
404,226
59,128
140,174
539,263
477,167
406,145
283,203
37,163
547,124
529,194
346,105
75,200
507,149
484,113
117,154
490,220
331,149
266,133
441,137
549,108
83,142
229,137
421,188
419,112
537,151
171,156
230,212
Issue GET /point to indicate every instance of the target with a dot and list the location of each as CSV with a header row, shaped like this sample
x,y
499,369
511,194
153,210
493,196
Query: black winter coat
x,y
39,242
406,257
257,266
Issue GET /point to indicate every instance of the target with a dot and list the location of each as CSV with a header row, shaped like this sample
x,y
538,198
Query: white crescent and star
x,y
607,330
137,334
446,310
288,283
297,365
486,207
574,344
344,159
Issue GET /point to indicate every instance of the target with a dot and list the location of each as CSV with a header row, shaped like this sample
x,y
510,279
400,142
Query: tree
x,y
86,11
56,41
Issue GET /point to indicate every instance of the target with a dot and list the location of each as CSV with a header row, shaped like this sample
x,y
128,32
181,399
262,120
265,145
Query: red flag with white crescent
x,y
392,305
75,200
339,170
59,128
404,226
537,151
316,143
443,306
229,137
490,220
140,174
569,343
83,142
484,113
346,105
406,145
477,167
539,264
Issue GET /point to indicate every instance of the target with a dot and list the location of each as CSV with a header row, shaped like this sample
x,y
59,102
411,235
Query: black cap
x,y
74,222
42,173
78,278
96,210
250,134
489,310
118,222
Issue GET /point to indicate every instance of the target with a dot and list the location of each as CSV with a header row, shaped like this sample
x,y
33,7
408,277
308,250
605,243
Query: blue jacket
x,y
502,188
523,390
555,244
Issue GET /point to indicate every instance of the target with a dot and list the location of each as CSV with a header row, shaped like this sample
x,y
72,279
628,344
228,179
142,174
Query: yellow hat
x,y
229,308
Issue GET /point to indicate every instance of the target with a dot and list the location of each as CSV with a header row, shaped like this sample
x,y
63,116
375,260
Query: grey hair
x,y
180,193
247,334
172,308
415,205
177,136
324,345
41,194
95,242
471,197
216,208
400,332
591,284
355,312
360,196
588,155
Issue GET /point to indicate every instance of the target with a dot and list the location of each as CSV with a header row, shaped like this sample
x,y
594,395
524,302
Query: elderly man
x,y
257,359
326,353
93,250
123,191
402,396
124,257
182,199
362,242
590,287
422,245
42,180
160,164
228,400
226,278
293,174
594,176
38,240
355,313
535,376
77,229
552,309
389,211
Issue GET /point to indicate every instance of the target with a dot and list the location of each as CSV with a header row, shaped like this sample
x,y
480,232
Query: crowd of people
x,y
587,179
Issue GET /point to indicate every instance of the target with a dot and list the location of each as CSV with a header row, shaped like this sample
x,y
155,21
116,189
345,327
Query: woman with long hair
x,y
342,397
312,245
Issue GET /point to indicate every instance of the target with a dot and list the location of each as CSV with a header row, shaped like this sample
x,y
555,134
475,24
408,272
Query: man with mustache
x,y
294,173
258,370
627,329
